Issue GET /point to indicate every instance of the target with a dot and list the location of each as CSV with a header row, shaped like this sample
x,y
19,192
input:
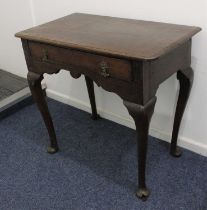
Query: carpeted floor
x,y
96,168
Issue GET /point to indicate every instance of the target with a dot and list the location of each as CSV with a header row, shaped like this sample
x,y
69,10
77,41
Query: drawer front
x,y
105,66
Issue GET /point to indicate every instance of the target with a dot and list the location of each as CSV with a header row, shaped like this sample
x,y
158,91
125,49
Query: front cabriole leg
x,y
34,81
142,116
185,78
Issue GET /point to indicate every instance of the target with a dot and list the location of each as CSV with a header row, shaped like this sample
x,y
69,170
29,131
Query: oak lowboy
x,y
128,57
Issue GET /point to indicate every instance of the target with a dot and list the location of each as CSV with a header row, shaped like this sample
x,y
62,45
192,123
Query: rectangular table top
x,y
135,39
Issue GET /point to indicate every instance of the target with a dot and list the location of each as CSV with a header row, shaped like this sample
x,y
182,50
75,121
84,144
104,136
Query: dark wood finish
x,y
185,78
136,39
34,81
91,94
142,115
117,68
128,57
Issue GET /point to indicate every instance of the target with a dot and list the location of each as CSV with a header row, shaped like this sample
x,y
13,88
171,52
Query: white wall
x,y
14,16
193,133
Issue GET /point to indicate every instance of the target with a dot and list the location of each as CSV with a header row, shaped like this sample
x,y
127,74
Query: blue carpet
x,y
95,169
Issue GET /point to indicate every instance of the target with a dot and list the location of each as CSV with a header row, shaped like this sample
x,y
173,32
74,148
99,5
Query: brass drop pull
x,y
45,55
104,69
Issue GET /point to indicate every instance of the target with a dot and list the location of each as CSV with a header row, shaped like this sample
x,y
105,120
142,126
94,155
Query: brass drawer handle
x,y
45,56
104,69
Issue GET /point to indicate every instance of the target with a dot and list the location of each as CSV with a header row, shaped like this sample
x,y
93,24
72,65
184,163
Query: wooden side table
x,y
128,57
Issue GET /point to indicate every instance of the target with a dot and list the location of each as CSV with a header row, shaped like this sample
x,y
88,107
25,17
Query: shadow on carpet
x,y
96,168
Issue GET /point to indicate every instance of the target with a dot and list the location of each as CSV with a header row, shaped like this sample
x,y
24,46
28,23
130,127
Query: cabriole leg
x,y
185,78
142,117
34,81
90,87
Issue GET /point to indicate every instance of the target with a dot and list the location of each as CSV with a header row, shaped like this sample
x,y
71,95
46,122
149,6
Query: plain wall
x,y
193,133
14,16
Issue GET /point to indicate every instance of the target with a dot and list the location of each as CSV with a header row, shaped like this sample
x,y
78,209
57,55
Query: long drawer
x,y
105,66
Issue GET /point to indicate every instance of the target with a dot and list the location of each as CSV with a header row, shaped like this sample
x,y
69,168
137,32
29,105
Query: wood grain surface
x,y
128,38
